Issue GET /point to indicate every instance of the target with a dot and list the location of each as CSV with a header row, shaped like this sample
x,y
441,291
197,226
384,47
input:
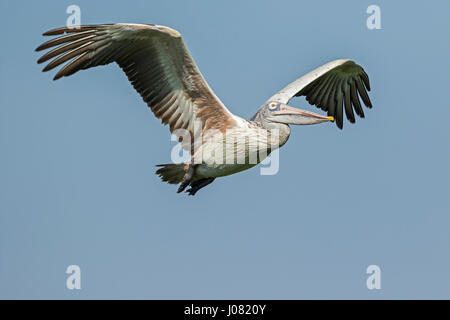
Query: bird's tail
x,y
171,173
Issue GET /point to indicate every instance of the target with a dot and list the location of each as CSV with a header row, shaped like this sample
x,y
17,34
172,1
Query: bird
x,y
161,69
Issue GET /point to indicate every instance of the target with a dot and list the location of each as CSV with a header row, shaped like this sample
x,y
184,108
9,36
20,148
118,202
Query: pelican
x,y
161,69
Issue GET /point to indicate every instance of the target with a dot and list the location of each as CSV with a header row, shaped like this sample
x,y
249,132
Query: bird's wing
x,y
332,87
156,62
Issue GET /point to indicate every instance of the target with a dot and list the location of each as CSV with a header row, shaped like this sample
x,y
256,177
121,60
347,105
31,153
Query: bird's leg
x,y
187,177
198,184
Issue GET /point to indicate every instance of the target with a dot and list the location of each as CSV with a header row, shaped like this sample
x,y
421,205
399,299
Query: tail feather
x,y
172,173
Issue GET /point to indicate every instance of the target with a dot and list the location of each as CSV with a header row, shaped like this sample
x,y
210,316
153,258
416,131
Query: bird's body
x,y
159,66
239,148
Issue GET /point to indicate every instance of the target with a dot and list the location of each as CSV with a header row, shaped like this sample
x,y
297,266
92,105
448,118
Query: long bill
x,y
289,115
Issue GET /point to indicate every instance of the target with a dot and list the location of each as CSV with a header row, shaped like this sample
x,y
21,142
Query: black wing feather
x,y
340,88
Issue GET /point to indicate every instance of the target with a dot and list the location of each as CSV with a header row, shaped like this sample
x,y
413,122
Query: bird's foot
x,y
187,178
198,184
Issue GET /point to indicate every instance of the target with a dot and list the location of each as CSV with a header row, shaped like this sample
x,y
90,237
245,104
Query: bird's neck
x,y
279,130
284,132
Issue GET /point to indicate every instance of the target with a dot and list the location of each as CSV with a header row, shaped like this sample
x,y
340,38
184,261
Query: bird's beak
x,y
289,115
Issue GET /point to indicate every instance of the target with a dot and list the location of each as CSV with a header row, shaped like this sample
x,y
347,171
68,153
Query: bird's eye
x,y
274,106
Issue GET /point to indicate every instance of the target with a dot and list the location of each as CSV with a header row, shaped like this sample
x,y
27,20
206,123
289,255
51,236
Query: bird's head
x,y
277,112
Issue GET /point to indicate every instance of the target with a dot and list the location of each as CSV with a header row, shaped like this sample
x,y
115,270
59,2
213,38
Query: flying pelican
x,y
161,69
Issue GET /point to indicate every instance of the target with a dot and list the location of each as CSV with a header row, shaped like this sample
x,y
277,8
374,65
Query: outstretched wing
x,y
157,63
332,87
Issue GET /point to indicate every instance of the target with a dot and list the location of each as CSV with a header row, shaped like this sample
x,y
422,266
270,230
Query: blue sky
x,y
77,182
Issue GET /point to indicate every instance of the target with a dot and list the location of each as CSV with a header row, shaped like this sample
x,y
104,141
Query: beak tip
x,y
331,118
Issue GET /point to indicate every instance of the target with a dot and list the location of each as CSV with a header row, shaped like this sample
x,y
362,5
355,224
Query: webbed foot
x,y
198,184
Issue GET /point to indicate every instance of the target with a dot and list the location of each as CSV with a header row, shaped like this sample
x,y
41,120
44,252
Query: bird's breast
x,y
235,150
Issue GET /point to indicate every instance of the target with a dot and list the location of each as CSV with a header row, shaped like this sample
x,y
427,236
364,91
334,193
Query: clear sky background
x,y
78,156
